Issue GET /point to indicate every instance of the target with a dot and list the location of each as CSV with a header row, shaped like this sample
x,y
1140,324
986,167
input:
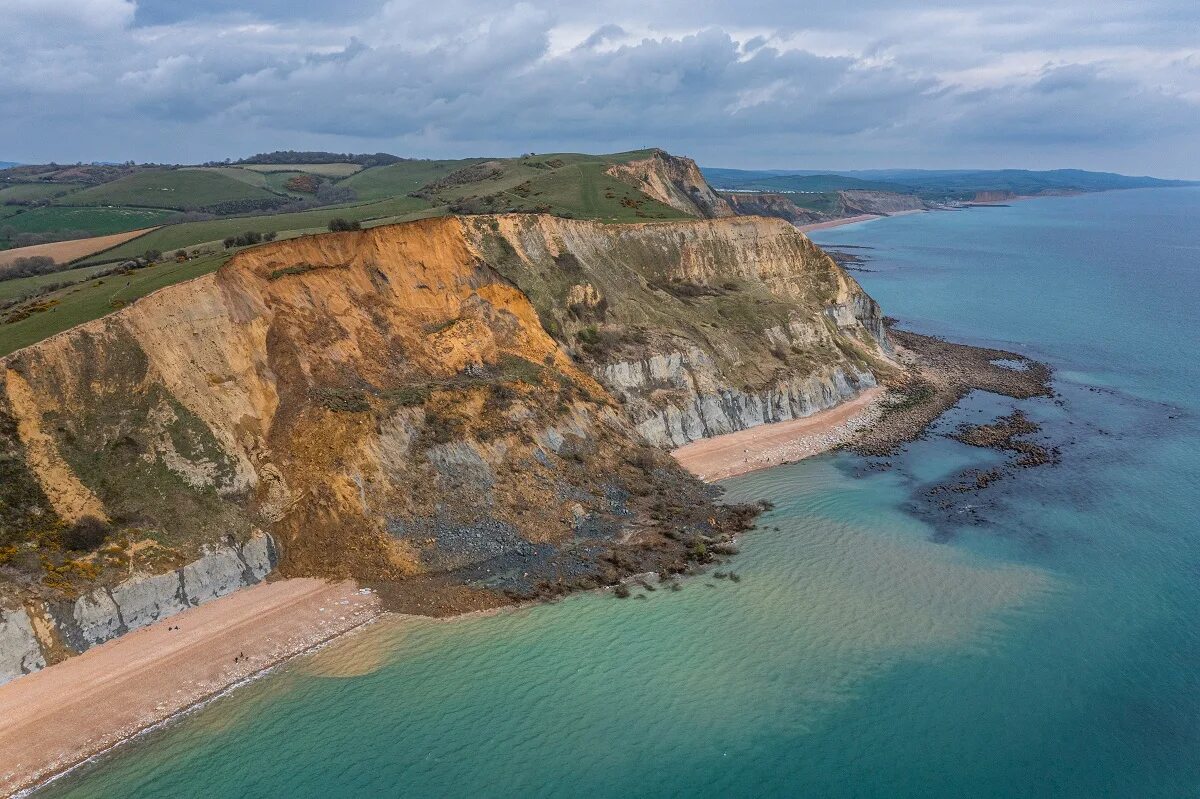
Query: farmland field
x,y
24,286
401,178
237,173
182,189
97,221
172,237
325,170
98,297
71,250
35,191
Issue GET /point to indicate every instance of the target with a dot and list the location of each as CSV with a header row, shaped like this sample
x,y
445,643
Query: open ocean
x,y
1038,638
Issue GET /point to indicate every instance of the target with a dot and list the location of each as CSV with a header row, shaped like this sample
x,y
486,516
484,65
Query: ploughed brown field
x,y
67,251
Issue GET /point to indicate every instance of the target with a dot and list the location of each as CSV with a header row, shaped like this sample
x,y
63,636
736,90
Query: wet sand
x,y
56,718
782,442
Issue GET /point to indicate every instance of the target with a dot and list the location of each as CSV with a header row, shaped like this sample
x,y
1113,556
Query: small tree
x,y
152,255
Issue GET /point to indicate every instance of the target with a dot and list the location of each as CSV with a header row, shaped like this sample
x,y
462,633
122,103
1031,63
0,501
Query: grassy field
x,y
35,191
189,234
400,179
96,221
28,285
92,299
69,250
246,176
568,184
324,170
183,189
585,191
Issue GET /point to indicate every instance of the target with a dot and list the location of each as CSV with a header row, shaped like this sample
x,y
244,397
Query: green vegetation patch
x,y
190,234
32,192
401,178
94,298
181,189
90,221
23,504
119,439
301,269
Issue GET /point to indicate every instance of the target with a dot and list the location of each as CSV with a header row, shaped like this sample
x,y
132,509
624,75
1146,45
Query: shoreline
x,y
59,718
780,443
854,220
44,737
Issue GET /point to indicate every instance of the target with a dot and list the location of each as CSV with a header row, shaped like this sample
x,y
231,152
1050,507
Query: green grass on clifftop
x,y
189,234
97,297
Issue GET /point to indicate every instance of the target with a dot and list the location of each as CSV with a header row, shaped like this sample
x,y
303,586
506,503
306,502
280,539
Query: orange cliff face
x,y
383,402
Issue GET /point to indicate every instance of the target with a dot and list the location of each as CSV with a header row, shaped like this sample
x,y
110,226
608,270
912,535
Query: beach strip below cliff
x,y
59,717
854,220
769,445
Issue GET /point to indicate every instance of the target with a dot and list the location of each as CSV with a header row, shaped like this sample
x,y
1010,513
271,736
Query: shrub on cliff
x,y
86,535
340,225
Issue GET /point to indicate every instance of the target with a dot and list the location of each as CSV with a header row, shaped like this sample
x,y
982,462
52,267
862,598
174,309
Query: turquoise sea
x,y
1038,638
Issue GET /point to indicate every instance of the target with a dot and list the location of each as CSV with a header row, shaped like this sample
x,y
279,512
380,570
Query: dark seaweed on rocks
x,y
938,374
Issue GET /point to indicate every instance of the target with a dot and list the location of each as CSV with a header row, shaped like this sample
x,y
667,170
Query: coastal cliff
x,y
44,632
462,411
825,207
699,328
675,181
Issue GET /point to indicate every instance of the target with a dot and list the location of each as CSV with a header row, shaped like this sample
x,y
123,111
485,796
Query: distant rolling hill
x,y
7,164
934,184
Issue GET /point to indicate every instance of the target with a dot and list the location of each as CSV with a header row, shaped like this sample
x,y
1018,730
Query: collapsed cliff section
x,y
879,202
386,404
699,328
822,207
675,181
774,204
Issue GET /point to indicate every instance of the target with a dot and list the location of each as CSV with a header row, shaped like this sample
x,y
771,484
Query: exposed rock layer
x,y
32,636
466,399
674,181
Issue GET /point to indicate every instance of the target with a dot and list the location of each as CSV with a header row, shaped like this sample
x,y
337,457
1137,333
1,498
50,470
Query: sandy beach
x,y
849,220
853,220
56,718
782,442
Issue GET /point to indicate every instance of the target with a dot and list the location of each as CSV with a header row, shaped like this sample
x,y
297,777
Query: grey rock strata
x,y
107,613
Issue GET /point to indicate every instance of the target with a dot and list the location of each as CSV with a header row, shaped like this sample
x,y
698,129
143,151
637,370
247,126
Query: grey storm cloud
x,y
1089,83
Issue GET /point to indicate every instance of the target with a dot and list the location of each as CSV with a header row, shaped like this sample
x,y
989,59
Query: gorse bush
x,y
86,535
248,238
340,225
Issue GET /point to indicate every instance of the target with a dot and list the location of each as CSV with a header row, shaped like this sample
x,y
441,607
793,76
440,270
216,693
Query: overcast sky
x,y
1095,84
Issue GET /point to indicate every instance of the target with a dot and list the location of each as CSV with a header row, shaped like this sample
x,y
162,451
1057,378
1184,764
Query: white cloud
x,y
894,82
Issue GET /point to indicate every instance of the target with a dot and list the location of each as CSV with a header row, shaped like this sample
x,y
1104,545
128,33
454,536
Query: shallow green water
x,y
1038,638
